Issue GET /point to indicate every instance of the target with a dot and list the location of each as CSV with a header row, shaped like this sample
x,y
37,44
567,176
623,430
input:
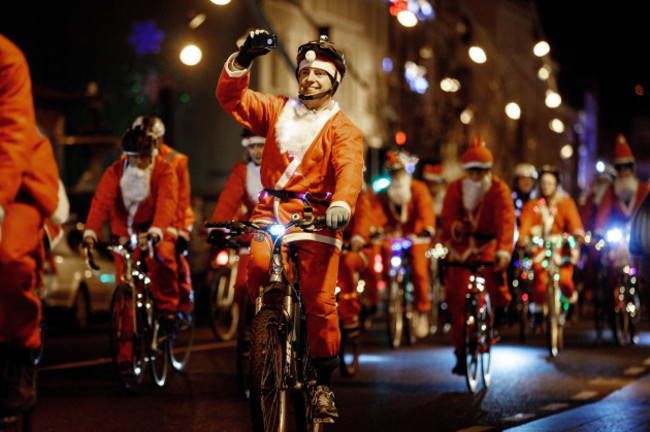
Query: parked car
x,y
70,287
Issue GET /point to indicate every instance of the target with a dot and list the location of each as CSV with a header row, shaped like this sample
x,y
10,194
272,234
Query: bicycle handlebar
x,y
240,227
90,259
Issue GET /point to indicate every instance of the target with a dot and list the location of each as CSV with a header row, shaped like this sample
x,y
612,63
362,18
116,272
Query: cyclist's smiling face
x,y
313,81
255,152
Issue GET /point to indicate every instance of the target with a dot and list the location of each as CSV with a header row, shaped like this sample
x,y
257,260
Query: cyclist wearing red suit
x,y
313,156
139,196
478,224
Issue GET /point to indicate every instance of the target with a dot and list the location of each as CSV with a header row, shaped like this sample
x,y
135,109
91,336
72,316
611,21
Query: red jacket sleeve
x,y
17,120
232,196
360,226
347,160
105,198
504,218
241,102
426,218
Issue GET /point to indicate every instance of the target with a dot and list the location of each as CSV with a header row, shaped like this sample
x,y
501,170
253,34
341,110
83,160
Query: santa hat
x,y
400,160
477,155
249,138
432,173
622,152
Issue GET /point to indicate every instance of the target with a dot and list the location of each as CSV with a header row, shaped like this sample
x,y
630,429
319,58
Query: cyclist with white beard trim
x,y
623,198
477,224
139,195
408,207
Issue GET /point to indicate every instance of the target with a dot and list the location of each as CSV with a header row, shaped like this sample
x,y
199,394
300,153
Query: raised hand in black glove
x,y
255,45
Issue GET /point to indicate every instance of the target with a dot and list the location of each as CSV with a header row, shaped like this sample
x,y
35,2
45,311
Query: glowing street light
x,y
466,116
544,73
477,54
450,85
407,18
513,111
541,48
191,55
220,2
553,99
566,152
556,125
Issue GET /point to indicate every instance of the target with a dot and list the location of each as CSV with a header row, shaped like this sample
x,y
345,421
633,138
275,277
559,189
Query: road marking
x,y
555,406
584,395
104,360
609,382
519,417
634,370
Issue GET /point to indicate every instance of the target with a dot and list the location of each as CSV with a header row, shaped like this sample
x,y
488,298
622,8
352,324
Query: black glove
x,y
181,245
217,238
254,46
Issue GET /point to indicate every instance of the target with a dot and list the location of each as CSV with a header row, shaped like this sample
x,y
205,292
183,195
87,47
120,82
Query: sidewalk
x,y
625,410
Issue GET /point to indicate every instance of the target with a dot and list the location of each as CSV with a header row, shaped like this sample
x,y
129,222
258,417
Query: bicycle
x,y
439,316
520,287
623,302
280,361
478,327
225,312
557,306
134,318
401,292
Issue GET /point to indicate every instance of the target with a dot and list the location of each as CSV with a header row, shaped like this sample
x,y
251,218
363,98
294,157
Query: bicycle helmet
x,y
138,141
152,123
322,54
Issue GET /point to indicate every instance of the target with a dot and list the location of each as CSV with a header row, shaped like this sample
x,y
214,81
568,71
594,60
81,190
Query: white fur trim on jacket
x,y
62,208
505,254
231,71
90,233
157,231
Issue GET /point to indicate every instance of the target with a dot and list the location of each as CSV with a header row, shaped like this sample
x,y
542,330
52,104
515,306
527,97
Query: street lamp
x,y
220,2
191,55
477,54
541,48
513,111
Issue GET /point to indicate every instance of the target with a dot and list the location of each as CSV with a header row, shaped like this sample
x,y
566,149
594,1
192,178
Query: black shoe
x,y
461,366
17,379
323,408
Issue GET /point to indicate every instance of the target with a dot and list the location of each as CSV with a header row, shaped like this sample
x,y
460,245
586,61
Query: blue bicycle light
x,y
614,235
276,230
406,244
396,246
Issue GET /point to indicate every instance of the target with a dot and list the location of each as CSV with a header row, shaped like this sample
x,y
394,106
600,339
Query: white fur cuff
x,y
157,231
231,71
90,233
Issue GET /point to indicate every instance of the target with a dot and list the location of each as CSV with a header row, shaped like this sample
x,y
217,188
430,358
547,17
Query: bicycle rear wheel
x,y
181,340
158,351
486,337
395,315
268,398
470,344
126,335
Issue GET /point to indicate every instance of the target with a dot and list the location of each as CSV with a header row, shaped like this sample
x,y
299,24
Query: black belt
x,y
285,196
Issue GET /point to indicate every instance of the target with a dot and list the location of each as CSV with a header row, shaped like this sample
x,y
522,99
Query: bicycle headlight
x,y
222,258
396,261
614,235
276,230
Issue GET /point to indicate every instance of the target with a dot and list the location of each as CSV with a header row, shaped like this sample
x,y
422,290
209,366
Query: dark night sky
x,y
601,47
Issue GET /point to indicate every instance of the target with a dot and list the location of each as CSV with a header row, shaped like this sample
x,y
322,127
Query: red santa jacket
x,y
325,167
360,225
612,211
538,219
492,221
26,159
158,210
236,200
413,217
185,215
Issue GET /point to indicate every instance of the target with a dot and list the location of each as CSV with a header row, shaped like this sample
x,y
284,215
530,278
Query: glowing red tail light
x,y
222,258
378,266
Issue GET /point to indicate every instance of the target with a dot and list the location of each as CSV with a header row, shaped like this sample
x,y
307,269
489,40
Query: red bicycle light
x,y
378,266
222,258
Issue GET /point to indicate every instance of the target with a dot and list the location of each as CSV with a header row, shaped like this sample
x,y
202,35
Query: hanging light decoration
x,y
477,54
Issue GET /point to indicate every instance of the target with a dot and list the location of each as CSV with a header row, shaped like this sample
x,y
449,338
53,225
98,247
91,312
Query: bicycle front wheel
x,y
486,337
395,314
553,328
268,397
126,339
224,311
181,340
471,344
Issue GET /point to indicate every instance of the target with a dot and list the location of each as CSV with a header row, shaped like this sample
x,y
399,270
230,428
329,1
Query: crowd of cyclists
x,y
304,157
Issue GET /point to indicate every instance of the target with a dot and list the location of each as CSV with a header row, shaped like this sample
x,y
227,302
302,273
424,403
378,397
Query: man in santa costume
x,y
551,215
313,156
139,194
624,196
185,215
408,207
478,224
30,195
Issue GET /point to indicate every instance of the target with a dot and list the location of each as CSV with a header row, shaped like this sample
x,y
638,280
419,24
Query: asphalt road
x,y
409,389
